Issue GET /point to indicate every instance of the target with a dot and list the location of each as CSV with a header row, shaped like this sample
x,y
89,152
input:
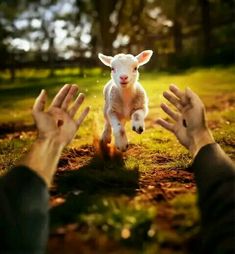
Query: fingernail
x,y
81,97
165,94
74,86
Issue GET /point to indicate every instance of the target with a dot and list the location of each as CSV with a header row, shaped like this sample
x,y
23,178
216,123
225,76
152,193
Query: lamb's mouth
x,y
123,83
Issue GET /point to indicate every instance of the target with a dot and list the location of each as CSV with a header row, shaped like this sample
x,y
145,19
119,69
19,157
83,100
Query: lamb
x,y
125,98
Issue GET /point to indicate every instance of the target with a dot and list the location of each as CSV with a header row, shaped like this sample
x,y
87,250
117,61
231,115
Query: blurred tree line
x,y
58,33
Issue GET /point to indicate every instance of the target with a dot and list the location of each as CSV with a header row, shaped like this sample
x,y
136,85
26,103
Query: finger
x,y
168,126
72,91
82,116
170,112
40,102
79,100
176,91
173,100
59,98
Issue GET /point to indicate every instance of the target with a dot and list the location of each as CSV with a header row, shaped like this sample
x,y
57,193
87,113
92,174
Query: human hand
x,y
189,125
58,121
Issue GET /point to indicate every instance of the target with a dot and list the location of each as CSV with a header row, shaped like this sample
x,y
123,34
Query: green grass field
x,y
144,202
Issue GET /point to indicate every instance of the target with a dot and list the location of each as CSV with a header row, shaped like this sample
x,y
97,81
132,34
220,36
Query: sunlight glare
x,y
126,233
36,23
21,44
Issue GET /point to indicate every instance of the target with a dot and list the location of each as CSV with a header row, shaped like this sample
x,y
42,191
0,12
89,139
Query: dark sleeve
x,y
23,212
215,179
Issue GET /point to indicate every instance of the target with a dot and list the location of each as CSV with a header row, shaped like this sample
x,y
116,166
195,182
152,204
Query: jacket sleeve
x,y
215,179
23,212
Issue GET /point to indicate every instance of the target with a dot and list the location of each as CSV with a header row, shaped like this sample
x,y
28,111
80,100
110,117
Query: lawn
x,y
144,201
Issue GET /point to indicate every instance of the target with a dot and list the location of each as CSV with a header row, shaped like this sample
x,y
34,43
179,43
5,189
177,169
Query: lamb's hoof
x,y
123,149
138,130
106,140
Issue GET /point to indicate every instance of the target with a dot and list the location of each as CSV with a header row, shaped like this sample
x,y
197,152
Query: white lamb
x,y
125,98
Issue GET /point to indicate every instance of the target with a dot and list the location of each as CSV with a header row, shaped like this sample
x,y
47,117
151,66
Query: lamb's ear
x,y
106,60
144,57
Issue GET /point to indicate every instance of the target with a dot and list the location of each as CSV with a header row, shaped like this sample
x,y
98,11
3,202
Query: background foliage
x,y
59,33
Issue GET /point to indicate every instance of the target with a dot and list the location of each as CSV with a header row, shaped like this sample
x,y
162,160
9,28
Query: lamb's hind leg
x,y
107,132
119,132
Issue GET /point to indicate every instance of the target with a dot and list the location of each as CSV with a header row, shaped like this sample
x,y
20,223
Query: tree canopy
x,y
181,33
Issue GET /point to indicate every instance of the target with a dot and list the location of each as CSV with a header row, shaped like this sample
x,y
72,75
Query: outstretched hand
x,y
58,121
189,125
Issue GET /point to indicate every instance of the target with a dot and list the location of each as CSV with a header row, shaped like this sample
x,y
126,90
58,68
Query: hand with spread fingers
x,y
56,129
57,122
189,122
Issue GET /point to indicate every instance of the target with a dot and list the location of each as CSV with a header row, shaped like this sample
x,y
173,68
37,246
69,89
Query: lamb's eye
x,y
112,69
135,69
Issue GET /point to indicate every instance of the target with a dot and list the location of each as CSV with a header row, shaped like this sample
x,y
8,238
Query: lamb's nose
x,y
124,77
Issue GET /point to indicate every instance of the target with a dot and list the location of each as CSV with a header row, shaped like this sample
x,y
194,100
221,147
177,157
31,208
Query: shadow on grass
x,y
89,186
24,88
29,87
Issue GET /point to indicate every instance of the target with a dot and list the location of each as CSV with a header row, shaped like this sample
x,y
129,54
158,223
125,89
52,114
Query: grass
x,y
143,202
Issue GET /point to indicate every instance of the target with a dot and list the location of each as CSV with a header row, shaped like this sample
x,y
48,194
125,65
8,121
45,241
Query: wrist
x,y
43,157
49,143
200,139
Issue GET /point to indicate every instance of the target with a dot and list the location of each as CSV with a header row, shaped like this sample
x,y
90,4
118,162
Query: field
x,y
142,202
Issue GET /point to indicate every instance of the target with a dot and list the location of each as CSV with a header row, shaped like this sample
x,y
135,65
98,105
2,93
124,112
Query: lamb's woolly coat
x,y
125,98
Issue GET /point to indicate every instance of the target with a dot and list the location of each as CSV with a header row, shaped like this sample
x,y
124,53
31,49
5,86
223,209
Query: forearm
x,y
24,212
215,179
43,158
199,140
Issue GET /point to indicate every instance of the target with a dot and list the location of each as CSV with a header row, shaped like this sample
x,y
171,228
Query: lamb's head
x,y
124,67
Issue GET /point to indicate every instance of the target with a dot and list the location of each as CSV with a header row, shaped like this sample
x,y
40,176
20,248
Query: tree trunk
x,y
178,40
206,26
51,57
12,67
104,8
51,49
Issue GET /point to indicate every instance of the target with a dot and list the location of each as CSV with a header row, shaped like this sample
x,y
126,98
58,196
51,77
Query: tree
x,y
206,26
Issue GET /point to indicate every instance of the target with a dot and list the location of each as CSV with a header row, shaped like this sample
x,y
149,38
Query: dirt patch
x,y
75,158
222,102
14,128
156,187
165,184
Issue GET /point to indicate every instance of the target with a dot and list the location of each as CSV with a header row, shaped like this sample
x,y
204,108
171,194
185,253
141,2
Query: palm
x,y
187,119
58,121
181,131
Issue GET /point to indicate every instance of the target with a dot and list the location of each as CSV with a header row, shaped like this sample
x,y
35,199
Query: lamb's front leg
x,y
137,119
119,132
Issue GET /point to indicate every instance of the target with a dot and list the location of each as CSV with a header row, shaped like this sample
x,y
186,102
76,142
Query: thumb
x,y
194,98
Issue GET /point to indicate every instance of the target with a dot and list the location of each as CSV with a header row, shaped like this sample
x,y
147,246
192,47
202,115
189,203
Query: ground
x,y
144,201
